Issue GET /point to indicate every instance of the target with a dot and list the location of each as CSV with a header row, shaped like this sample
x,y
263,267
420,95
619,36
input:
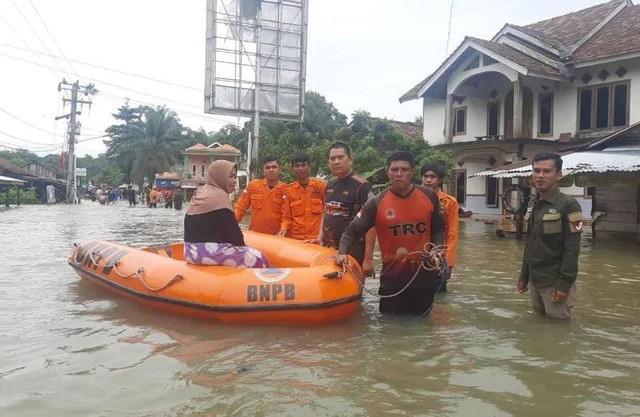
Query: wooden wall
x,y
622,208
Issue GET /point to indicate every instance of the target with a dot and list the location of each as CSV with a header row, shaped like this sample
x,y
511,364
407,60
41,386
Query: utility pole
x,y
73,129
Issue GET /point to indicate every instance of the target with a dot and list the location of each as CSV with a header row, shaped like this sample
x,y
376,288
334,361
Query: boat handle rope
x,y
138,274
429,249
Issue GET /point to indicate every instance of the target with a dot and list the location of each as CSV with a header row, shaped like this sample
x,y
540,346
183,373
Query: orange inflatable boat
x,y
303,285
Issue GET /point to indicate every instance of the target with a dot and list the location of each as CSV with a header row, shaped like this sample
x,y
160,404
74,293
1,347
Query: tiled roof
x,y
517,57
409,129
227,148
505,51
540,36
10,168
618,37
196,147
413,93
568,29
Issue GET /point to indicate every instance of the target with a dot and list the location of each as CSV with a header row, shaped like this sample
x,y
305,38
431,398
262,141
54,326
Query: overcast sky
x,y
362,54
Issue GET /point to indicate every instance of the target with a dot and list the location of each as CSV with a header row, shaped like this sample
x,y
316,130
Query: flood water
x,y
69,349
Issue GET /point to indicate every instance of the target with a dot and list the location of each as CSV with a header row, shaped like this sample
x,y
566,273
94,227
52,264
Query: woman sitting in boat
x,y
211,234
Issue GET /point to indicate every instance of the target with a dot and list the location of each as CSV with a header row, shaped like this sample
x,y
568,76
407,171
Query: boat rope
x,y
137,273
432,259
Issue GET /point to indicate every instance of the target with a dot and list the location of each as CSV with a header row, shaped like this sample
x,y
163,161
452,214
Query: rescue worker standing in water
x,y
264,197
554,227
346,194
303,205
432,175
408,222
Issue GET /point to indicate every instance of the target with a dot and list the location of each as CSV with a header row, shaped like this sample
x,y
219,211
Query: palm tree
x,y
148,144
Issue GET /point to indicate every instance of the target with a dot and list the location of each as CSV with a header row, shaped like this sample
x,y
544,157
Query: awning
x,y
10,181
608,160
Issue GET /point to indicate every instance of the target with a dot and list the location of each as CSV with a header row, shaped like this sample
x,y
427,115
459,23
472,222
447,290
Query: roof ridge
x,y
574,12
504,45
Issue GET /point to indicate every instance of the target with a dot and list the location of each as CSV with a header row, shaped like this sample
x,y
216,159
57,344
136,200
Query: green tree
x,y
19,157
102,170
147,144
322,117
121,136
26,196
232,135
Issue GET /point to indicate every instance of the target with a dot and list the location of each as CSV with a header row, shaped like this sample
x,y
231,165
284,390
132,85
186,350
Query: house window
x,y
202,172
585,109
193,170
460,121
545,115
603,106
620,105
492,192
493,118
461,186
589,192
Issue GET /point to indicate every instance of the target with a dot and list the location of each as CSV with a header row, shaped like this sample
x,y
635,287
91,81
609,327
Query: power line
x,y
23,140
26,44
118,98
92,138
53,38
113,85
107,83
10,147
30,150
27,123
144,77
35,32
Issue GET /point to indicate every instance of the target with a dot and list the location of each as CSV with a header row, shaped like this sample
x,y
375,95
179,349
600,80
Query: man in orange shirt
x,y
154,196
264,197
432,176
303,205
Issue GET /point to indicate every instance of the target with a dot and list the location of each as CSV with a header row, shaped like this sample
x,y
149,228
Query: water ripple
x,y
68,348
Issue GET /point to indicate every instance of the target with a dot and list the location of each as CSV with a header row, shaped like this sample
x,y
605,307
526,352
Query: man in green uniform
x,y
550,262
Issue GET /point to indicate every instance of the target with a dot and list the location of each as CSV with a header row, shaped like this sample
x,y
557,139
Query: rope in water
x,y
432,259
138,274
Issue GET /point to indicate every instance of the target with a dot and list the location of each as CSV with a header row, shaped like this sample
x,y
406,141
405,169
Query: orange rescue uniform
x,y
265,203
303,209
450,209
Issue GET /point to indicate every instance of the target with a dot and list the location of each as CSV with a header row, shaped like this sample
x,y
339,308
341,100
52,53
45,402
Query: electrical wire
x,y
27,45
134,91
23,140
27,123
92,138
117,71
35,32
53,38
49,150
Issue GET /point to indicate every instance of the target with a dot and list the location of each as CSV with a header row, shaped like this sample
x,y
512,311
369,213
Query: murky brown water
x,y
67,349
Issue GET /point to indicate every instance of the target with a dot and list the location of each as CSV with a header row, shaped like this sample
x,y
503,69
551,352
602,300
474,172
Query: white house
x,y
550,85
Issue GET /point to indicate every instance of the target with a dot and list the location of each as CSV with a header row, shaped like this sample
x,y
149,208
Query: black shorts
x,y
416,299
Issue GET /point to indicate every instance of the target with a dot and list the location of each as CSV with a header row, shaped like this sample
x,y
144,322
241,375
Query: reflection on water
x,y
69,349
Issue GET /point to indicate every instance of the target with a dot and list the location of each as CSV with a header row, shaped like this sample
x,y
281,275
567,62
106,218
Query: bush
x,y
27,196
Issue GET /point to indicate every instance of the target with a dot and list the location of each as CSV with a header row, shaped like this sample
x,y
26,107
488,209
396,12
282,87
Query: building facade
x,y
550,85
196,162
